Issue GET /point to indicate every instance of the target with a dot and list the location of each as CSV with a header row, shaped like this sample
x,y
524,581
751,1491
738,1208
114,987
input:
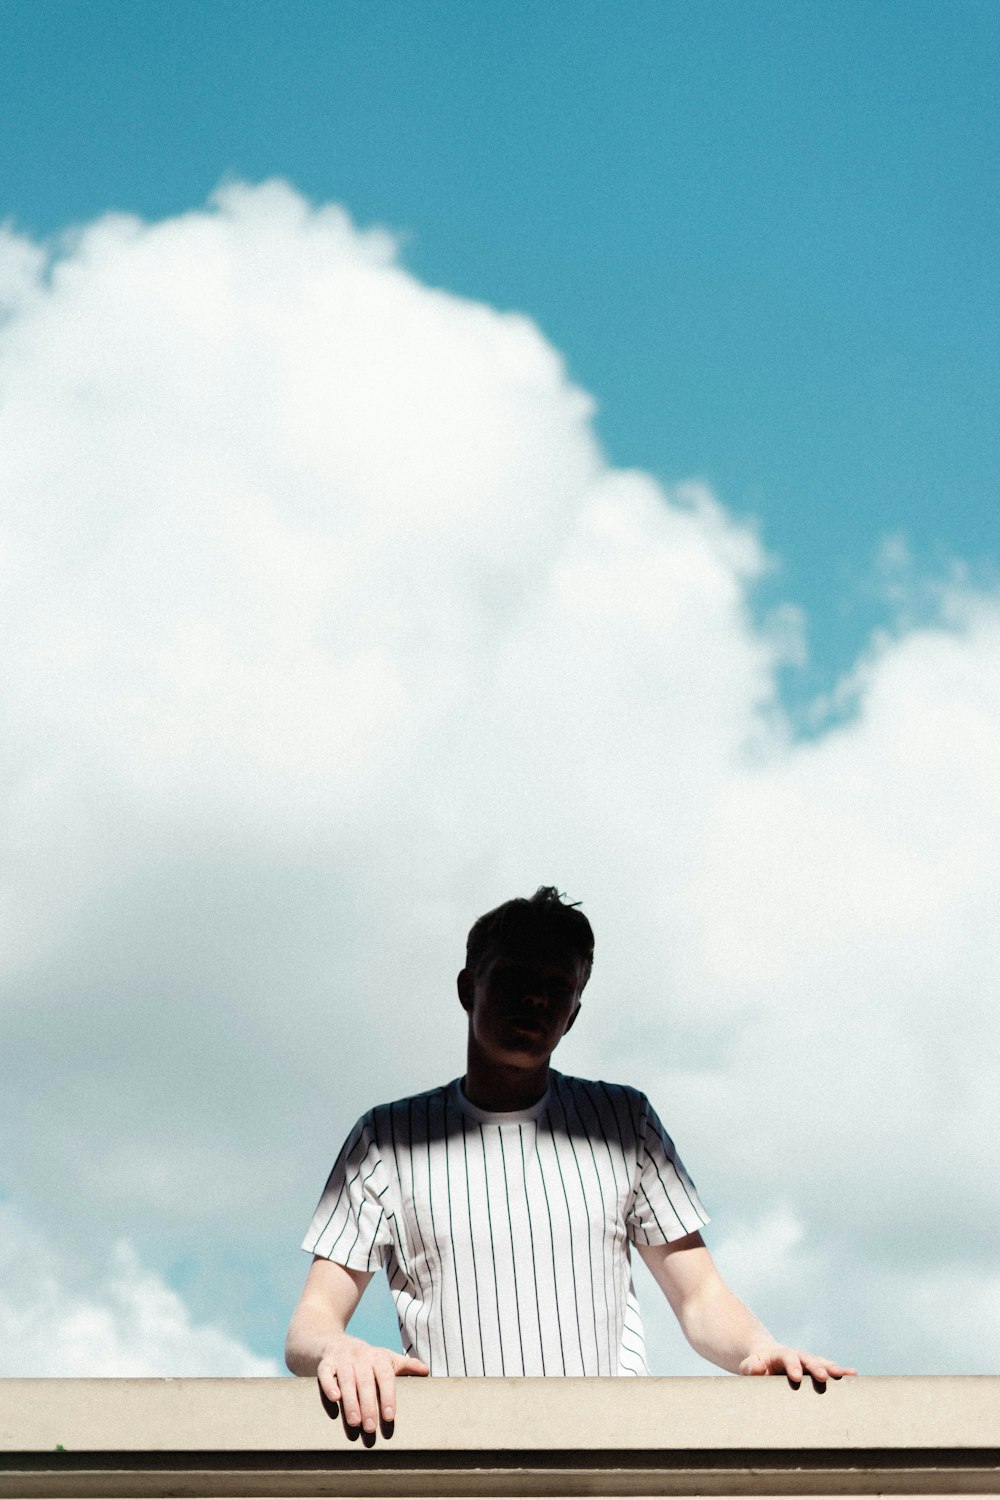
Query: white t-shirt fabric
x,y
505,1237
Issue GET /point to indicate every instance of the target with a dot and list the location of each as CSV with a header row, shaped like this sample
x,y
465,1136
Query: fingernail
x,y
369,1424
389,1414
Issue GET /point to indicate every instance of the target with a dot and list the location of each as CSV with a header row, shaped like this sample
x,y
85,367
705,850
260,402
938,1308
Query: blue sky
x,y
328,626
763,235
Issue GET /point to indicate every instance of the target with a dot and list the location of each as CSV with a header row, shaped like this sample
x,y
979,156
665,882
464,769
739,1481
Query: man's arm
x,y
716,1323
359,1375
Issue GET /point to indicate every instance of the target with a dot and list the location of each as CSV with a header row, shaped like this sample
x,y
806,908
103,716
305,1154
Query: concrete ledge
x,y
679,1437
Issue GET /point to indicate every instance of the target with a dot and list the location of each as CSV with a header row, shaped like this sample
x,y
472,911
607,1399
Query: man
x,y
504,1204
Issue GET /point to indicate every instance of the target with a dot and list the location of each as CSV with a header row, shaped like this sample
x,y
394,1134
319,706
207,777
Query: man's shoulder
x,y
596,1085
601,1094
410,1106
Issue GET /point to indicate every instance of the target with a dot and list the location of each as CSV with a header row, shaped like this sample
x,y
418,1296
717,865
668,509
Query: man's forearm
x,y
331,1294
718,1325
722,1328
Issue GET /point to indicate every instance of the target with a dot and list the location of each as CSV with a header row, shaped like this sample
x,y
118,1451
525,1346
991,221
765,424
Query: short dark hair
x,y
545,915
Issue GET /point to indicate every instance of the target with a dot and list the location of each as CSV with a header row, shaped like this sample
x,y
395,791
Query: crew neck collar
x,y
499,1117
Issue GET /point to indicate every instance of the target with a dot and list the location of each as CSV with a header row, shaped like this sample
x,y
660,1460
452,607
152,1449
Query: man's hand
x,y
362,1378
779,1359
355,1374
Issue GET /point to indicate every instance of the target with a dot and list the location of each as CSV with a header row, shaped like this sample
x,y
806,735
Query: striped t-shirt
x,y
506,1237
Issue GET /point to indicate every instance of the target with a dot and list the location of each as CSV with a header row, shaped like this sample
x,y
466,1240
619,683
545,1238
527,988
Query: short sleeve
x,y
350,1225
664,1203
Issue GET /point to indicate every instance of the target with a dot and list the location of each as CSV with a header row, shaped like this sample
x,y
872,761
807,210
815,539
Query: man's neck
x,y
502,1090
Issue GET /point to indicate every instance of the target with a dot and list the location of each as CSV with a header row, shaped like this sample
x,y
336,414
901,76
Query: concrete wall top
x,y
707,1413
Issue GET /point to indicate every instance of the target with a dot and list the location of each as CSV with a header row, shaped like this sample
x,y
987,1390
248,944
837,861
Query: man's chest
x,y
512,1191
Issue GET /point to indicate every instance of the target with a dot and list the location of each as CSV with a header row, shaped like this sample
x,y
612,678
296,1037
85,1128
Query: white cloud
x,y
327,628
125,1322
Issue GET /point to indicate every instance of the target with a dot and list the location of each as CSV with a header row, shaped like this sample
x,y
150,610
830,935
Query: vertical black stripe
x,y
629,1095
595,1105
396,1232
397,1241
670,1156
454,1246
552,1243
648,1159
633,1329
359,1216
371,1247
342,1163
616,1250
476,1274
628,1205
534,1268
418,1289
493,1253
455,1265
630,1173
560,1089
437,1247
572,1250
513,1254
656,1217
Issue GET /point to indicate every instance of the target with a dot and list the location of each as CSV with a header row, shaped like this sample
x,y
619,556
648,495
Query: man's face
x,y
521,1002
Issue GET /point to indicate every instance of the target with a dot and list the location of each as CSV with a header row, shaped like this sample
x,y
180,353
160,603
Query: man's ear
x,y
573,1017
466,984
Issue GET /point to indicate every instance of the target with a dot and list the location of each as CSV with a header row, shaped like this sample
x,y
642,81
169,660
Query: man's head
x,y
543,920
527,962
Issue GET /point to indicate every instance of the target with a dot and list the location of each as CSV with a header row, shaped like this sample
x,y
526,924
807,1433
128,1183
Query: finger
x,y
327,1377
753,1365
825,1369
385,1377
817,1367
787,1361
367,1396
406,1364
349,1389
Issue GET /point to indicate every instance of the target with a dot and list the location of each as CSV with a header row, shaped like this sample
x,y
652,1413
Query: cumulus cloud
x,y
327,627
129,1322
